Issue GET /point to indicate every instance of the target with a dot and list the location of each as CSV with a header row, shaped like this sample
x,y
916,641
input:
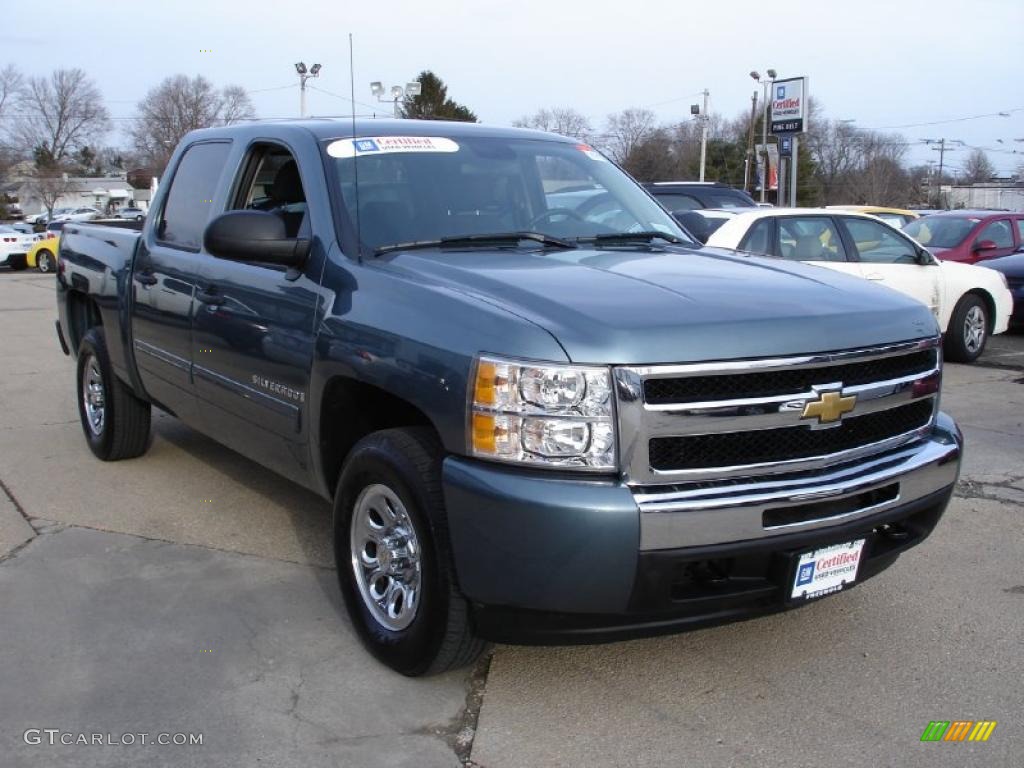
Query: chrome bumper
x,y
715,513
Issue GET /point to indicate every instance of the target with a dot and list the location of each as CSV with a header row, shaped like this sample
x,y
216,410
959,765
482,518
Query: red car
x,y
969,236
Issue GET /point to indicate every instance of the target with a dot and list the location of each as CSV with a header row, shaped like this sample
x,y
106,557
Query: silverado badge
x,y
829,407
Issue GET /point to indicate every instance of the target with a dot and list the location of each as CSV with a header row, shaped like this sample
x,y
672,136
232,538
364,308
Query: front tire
x,y
116,422
45,261
392,554
967,333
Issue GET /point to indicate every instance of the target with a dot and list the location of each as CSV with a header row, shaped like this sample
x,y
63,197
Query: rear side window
x,y
189,201
998,232
679,202
758,239
1020,231
812,238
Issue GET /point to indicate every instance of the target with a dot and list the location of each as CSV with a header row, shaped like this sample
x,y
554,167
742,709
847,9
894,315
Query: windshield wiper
x,y
630,237
497,238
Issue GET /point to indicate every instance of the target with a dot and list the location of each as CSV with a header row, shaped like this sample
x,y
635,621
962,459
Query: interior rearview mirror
x,y
257,236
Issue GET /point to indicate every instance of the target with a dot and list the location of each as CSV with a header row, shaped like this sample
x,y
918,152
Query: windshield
x,y
940,231
414,189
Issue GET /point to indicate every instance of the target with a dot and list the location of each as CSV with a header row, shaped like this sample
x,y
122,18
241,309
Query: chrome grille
x,y
694,422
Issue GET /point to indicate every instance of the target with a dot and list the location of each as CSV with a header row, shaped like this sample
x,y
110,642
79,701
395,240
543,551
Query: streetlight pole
x,y
764,126
750,142
702,115
304,75
397,92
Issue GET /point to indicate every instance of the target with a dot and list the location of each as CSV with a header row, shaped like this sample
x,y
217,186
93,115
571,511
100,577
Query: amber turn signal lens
x,y
484,433
486,374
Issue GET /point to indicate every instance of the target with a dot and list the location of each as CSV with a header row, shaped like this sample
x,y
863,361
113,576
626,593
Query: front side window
x,y
272,183
810,238
414,189
190,198
879,244
998,232
941,231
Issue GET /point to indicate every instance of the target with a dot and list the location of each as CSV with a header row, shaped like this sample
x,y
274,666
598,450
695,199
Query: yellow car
x,y
43,254
894,217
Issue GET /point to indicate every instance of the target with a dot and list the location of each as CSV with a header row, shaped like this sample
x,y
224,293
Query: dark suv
x,y
691,195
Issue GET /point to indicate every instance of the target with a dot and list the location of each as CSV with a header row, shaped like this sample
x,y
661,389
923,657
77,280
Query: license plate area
x,y
825,571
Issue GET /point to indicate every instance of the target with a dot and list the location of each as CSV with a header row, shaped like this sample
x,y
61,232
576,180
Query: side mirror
x,y
256,236
985,245
925,258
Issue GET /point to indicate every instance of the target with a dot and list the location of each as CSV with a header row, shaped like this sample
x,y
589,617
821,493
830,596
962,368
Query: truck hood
x,y
657,305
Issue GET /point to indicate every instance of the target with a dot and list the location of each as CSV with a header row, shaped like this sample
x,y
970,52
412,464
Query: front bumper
x,y
558,559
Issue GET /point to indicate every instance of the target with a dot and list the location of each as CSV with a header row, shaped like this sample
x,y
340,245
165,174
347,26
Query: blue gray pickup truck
x,y
542,412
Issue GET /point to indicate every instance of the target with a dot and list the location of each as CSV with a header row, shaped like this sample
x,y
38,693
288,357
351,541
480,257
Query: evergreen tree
x,y
433,102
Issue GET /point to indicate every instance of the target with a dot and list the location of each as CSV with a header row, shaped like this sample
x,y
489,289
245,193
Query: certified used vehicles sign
x,y
827,570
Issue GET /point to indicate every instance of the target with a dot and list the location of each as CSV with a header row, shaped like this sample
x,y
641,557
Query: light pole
x,y
764,125
702,115
304,75
397,92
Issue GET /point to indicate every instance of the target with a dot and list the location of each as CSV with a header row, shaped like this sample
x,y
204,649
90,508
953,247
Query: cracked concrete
x,y
105,632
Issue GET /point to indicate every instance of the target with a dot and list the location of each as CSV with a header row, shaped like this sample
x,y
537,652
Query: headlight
x,y
542,414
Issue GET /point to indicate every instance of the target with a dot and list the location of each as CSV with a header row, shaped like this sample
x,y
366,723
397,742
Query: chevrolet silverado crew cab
x,y
542,413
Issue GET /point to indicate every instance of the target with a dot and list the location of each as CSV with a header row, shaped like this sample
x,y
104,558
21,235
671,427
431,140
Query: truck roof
x,y
341,127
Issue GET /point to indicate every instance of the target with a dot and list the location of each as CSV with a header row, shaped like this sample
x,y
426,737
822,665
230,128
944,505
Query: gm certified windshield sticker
x,y
592,153
380,145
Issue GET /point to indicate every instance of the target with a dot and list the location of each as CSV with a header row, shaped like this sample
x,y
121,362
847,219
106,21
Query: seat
x,y
286,193
808,248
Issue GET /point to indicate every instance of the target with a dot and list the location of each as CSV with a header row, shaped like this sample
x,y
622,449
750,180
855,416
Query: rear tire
x,y
391,536
115,422
967,333
45,261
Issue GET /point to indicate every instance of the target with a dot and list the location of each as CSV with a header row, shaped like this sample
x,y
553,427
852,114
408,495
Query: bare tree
x,y
880,178
562,120
626,130
181,104
836,148
978,168
49,183
11,84
62,113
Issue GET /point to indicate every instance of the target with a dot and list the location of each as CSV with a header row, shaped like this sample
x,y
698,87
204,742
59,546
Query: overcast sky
x,y
880,63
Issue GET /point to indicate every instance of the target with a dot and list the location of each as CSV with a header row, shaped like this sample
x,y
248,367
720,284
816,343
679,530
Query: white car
x,y
78,214
14,247
970,303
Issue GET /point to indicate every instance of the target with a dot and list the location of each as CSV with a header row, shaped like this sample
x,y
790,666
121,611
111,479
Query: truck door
x,y
253,329
164,276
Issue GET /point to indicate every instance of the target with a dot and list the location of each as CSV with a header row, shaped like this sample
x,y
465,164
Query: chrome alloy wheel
x,y
386,557
974,329
93,396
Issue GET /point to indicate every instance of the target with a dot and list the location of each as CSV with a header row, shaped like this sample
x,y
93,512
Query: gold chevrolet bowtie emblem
x,y
829,407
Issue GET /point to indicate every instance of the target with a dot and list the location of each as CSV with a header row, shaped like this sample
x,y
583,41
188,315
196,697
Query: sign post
x,y
789,120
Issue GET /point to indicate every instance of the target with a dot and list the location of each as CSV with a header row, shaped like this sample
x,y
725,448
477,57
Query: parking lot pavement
x,y
1006,349
192,591
219,614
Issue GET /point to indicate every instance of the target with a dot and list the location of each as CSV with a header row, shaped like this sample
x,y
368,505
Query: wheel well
x,y
83,314
990,306
351,410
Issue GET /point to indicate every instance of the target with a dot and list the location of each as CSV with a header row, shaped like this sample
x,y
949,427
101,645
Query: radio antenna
x,y
355,149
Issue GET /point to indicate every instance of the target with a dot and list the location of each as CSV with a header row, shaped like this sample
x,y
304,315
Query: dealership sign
x,y
789,105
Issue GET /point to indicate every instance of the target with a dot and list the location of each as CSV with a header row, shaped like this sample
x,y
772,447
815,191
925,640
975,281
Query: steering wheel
x,y
551,212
